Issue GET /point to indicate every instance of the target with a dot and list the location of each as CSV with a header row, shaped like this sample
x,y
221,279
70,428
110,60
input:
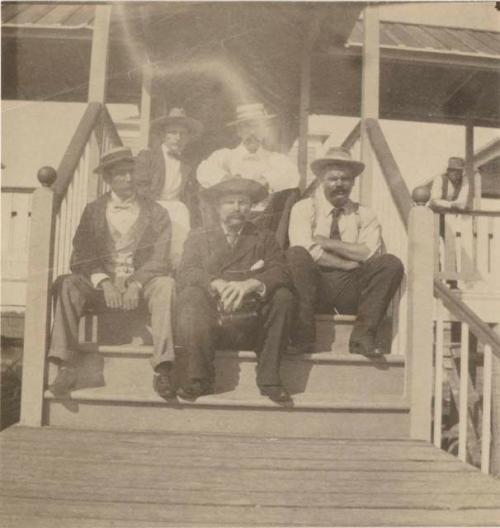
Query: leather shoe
x,y
365,347
194,390
65,381
276,393
163,386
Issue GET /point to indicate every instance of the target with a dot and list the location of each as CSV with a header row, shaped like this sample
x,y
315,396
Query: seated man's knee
x,y
283,297
392,263
297,254
193,298
164,284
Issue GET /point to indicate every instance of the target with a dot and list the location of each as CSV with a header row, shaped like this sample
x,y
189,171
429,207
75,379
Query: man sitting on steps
x,y
120,254
233,292
335,257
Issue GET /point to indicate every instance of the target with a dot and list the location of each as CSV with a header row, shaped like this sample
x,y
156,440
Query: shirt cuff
x,y
97,278
316,252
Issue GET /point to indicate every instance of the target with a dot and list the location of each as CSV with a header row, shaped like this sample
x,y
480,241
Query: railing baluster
x,y
486,423
463,399
438,379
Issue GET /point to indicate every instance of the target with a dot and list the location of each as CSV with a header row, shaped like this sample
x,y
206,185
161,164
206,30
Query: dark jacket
x,y
92,240
208,256
149,177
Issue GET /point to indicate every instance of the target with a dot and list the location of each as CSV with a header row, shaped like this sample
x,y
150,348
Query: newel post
x,y
420,315
38,299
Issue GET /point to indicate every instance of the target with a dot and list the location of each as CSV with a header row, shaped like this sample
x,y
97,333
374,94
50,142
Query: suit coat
x,y
256,254
92,241
149,177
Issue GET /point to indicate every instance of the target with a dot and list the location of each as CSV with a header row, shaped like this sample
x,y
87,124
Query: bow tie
x,y
122,207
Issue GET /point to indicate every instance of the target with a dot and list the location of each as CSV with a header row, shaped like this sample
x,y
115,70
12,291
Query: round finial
x,y
421,195
47,176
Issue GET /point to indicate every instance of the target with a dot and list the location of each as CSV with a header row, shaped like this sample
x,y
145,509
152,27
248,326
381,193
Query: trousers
x,y
200,334
365,291
76,294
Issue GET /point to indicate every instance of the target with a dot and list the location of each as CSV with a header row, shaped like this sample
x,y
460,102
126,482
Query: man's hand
x,y
235,291
131,296
112,296
218,286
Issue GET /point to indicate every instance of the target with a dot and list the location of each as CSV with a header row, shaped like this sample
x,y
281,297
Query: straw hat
x,y
237,185
114,156
250,112
337,157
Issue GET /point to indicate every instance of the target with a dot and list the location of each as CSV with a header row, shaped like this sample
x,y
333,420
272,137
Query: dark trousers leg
x,y
307,281
197,331
74,294
378,279
274,331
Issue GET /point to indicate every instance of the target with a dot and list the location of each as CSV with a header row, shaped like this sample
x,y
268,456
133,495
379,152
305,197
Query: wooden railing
x,y
467,246
56,211
477,342
392,203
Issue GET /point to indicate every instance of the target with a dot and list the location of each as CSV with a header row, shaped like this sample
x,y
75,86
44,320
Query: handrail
x,y
460,310
468,212
93,113
397,186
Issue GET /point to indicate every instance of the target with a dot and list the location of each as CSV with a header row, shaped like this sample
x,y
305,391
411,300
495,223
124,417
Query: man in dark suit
x,y
120,255
161,173
233,286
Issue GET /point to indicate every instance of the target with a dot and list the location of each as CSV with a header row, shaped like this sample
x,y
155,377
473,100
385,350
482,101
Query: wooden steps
x,y
335,395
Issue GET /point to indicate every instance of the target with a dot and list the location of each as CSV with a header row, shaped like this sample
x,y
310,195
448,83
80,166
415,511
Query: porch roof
x,y
428,73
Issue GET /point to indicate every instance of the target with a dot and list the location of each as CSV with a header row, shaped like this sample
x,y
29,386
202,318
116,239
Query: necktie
x,y
334,228
231,238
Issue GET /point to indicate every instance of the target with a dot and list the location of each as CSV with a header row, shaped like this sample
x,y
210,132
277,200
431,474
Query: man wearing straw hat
x,y
451,190
162,174
251,159
233,292
336,257
120,256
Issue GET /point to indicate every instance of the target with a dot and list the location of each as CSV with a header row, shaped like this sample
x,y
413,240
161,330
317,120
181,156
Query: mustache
x,y
252,137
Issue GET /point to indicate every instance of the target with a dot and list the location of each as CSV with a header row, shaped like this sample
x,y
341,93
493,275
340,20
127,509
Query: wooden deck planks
x,y
82,478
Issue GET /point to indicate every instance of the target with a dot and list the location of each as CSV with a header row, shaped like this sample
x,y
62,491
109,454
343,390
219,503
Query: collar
x,y
325,208
242,152
227,232
169,154
116,200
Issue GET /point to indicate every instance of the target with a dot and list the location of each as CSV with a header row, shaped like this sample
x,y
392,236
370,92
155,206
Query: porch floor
x,y
54,477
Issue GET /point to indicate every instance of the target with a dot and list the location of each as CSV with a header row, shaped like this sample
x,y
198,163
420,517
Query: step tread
x,y
233,399
319,357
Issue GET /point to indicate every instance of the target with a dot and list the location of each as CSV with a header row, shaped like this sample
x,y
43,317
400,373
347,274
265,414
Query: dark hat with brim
x,y
178,117
456,163
337,157
113,157
236,185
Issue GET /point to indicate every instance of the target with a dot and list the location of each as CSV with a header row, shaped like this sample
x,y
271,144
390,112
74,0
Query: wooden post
x,y
420,319
99,54
312,31
369,95
495,413
38,299
473,179
147,83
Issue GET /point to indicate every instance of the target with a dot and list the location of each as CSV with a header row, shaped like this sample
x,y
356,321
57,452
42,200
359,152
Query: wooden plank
x,y
255,514
438,376
370,88
38,298
420,323
146,87
464,392
99,54
486,419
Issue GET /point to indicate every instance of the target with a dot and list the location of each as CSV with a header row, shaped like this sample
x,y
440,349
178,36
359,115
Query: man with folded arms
x,y
120,256
234,292
336,257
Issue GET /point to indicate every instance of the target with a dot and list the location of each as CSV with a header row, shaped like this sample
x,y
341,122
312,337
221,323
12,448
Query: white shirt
x,y
121,215
271,168
313,216
173,177
437,191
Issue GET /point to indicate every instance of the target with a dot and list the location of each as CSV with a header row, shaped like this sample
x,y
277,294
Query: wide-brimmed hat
x,y
236,185
177,116
337,157
251,112
114,156
456,163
